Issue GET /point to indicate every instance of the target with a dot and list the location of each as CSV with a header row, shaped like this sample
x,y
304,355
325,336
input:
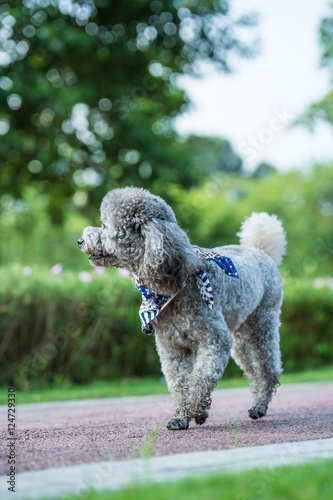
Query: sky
x,y
255,105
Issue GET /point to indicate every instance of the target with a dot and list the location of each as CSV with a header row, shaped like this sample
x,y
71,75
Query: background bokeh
x,y
89,95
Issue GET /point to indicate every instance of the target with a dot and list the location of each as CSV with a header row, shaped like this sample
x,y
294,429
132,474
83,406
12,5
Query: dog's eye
x,y
103,225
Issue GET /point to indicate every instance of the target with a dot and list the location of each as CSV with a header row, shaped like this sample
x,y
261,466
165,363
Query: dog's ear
x,y
153,247
168,257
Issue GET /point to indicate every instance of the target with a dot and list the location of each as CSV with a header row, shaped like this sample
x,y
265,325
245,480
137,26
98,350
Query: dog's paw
x,y
201,419
178,424
257,412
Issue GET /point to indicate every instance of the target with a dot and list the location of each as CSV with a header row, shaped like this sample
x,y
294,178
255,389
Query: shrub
x,y
306,331
62,326
58,326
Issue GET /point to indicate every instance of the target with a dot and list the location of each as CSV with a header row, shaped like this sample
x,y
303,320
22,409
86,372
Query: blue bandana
x,y
153,302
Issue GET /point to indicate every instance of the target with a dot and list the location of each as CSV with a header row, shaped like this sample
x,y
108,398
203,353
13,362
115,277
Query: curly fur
x,y
140,233
265,232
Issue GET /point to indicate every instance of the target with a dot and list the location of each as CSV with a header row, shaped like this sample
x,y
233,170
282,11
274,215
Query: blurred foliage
x,y
303,200
90,90
28,235
62,327
263,170
211,213
323,109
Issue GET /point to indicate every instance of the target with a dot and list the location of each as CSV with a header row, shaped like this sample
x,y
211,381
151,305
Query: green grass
x,y
97,389
306,482
140,387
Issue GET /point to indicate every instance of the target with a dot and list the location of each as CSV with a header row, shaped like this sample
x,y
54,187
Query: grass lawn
x,y
140,387
306,482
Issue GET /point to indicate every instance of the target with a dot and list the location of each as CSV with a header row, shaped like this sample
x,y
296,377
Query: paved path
x,y
77,432
115,433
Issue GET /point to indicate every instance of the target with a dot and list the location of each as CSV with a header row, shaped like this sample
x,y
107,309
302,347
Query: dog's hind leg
x,y
256,350
177,364
241,351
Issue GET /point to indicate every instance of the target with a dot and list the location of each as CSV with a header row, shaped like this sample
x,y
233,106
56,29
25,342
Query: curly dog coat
x,y
209,303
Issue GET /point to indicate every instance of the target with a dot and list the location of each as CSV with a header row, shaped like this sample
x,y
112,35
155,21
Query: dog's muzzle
x,y
81,242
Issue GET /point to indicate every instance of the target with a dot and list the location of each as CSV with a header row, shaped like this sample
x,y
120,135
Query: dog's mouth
x,y
97,257
102,260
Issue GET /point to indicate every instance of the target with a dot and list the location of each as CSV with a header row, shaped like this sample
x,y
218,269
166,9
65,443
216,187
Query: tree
x,y
323,110
210,155
89,91
264,170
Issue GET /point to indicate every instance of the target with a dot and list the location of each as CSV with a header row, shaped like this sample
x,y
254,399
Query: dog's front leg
x,y
177,364
212,357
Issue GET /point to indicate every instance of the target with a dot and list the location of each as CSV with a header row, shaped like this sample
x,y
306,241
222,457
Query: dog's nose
x,y
80,241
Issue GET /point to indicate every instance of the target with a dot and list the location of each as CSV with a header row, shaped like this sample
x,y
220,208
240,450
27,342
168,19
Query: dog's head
x,y
140,233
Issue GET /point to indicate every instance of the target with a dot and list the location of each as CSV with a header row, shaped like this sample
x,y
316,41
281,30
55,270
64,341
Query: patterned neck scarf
x,y
153,303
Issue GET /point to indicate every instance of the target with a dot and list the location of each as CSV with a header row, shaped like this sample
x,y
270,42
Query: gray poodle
x,y
204,304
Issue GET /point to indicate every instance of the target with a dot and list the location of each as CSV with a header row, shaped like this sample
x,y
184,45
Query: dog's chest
x,y
182,320
177,332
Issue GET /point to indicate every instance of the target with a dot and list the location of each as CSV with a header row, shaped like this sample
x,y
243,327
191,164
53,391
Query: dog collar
x,y
153,302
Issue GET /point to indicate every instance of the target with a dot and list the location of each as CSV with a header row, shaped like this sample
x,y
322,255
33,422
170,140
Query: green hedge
x,y
307,330
55,326
59,327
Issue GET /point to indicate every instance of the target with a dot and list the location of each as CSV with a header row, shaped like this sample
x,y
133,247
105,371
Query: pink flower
x,y
85,276
26,271
99,270
57,269
124,273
